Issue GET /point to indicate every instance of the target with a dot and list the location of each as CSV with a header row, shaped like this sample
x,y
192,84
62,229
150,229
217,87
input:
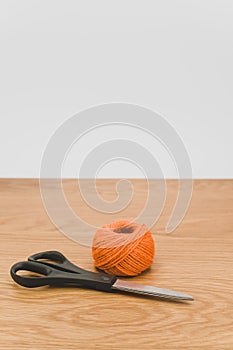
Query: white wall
x,y
173,56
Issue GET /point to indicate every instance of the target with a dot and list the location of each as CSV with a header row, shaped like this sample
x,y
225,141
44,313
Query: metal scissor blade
x,y
137,288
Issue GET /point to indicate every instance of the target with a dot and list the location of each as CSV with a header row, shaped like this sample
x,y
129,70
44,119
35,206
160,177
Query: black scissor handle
x,y
61,262
27,281
56,277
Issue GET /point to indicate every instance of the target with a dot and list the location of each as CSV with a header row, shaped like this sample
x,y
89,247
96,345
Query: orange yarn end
x,y
123,248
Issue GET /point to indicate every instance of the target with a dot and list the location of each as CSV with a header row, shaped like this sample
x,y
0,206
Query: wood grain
x,y
197,259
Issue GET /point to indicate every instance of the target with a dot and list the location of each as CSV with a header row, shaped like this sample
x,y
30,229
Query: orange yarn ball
x,y
123,248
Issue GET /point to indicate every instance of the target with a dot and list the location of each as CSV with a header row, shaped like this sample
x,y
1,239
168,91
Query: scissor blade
x,y
137,288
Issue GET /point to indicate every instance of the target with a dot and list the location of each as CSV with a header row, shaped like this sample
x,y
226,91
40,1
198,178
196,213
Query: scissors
x,y
55,269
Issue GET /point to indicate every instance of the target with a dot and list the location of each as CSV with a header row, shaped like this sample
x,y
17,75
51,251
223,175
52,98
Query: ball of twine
x,y
123,248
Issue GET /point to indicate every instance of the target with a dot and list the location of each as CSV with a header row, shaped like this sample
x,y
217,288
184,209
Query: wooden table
x,y
197,258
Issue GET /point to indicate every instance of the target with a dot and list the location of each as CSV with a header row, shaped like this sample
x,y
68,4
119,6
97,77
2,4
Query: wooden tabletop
x,y
197,258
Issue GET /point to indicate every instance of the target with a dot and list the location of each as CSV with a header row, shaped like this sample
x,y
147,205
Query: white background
x,y
60,57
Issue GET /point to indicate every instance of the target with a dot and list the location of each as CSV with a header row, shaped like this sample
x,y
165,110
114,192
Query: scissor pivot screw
x,y
105,278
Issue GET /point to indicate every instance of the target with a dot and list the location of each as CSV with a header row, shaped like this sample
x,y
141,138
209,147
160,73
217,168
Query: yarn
x,y
123,248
